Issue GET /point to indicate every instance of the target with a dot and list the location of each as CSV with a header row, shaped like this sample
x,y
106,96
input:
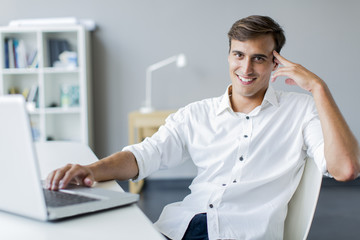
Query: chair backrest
x,y
302,205
55,154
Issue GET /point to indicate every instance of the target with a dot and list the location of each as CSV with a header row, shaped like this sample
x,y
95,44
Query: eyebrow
x,y
255,55
260,55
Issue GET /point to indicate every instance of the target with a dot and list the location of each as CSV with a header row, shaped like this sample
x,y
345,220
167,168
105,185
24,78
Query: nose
x,y
246,66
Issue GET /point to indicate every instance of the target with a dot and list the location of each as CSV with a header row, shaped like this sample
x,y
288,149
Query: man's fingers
x,y
281,59
296,74
58,176
280,72
49,179
71,173
76,173
88,181
277,61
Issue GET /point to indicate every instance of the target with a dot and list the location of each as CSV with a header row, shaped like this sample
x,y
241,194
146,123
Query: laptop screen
x,y
20,185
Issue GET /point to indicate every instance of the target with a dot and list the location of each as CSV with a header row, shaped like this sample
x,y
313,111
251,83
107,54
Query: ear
x,y
276,64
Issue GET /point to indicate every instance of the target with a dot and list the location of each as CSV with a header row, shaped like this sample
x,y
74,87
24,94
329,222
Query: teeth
x,y
246,79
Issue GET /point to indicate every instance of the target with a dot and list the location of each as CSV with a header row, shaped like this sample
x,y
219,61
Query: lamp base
x,y
146,109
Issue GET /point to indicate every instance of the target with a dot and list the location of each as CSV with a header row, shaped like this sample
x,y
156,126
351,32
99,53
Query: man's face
x,y
250,65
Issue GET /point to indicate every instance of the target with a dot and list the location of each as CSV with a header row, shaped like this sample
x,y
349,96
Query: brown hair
x,y
255,26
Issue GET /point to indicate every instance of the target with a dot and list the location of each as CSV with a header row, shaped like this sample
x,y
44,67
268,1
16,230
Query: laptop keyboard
x,y
61,199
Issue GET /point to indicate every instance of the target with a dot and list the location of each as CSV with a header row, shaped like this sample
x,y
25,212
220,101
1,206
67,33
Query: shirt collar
x,y
270,97
224,101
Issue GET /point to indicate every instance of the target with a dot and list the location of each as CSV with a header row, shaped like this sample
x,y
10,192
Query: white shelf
x,y
61,70
63,110
11,71
52,117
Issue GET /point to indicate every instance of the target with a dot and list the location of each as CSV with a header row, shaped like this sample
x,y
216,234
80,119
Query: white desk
x,y
121,223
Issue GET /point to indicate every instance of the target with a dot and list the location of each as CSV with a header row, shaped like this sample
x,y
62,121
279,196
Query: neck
x,y
245,104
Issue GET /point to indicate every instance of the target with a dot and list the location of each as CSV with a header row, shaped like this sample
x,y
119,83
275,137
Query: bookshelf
x,y
49,65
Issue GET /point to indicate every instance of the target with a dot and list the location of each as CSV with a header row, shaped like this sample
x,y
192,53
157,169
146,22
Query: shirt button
x,y
241,158
247,117
245,136
224,184
211,206
234,181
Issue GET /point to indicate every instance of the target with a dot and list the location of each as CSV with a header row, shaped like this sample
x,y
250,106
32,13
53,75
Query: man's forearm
x,y
120,166
341,147
342,152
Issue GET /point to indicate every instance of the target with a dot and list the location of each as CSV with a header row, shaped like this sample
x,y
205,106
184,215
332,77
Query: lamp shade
x,y
181,61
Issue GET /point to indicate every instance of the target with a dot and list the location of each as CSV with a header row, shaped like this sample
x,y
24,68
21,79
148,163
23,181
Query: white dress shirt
x,y
249,165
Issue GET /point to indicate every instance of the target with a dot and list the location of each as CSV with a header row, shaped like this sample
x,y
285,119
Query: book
x,y
6,53
32,61
15,46
15,53
11,53
33,94
56,47
20,53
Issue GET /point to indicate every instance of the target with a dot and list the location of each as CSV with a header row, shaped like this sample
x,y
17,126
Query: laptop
x,y
21,188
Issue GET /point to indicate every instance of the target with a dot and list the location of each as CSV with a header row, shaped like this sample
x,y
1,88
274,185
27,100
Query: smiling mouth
x,y
246,80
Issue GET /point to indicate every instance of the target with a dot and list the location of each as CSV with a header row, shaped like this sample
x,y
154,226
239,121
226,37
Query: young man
x,y
249,145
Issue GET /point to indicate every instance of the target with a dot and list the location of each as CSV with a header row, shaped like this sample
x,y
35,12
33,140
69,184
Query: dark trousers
x,y
197,229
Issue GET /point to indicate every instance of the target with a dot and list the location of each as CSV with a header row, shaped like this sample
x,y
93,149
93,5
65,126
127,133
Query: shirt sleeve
x,y
313,137
165,149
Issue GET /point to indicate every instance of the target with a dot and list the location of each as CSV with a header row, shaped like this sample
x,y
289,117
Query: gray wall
x,y
321,35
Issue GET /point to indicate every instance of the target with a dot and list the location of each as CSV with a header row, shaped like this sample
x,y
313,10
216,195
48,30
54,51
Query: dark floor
x,y
337,215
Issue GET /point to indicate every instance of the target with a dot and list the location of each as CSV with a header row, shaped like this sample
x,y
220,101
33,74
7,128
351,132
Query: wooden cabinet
x,y
142,125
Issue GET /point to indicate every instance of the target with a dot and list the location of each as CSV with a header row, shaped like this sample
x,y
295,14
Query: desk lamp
x,y
180,62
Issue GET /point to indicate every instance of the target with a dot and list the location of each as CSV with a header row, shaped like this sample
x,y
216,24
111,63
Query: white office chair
x,y
302,205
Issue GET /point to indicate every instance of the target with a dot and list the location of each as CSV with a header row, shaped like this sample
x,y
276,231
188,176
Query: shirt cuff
x,y
319,158
139,161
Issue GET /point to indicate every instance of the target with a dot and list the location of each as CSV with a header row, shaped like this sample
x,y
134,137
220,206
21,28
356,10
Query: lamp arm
x,y
162,63
149,70
180,62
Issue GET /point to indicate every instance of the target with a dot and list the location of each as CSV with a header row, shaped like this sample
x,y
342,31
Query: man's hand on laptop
x,y
71,173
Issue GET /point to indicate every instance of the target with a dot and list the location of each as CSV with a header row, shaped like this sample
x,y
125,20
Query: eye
x,y
238,54
259,59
